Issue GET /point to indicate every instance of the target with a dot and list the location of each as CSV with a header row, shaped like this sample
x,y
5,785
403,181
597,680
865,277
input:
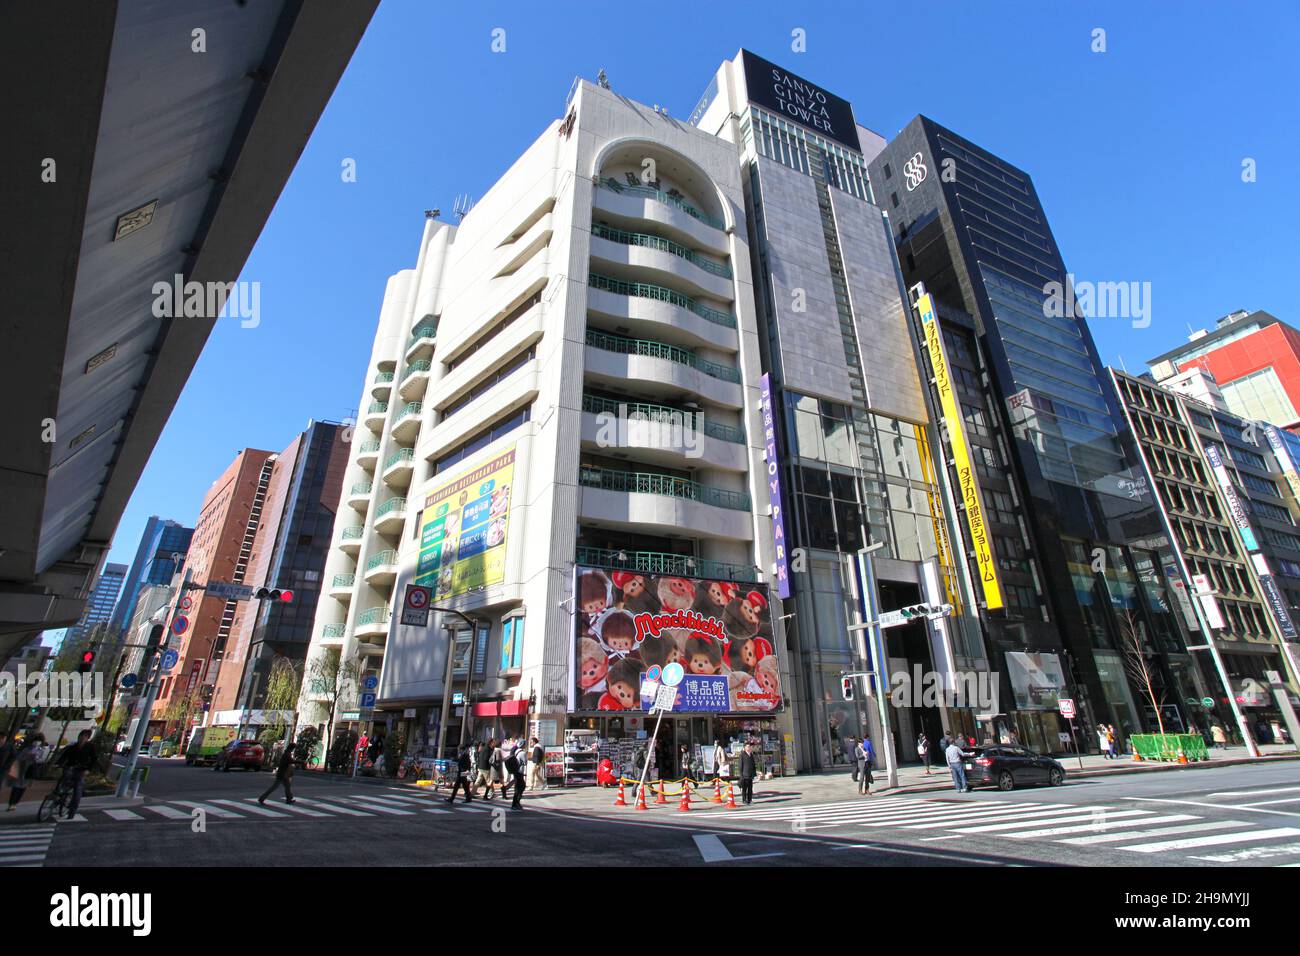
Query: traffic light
x,y
87,661
154,641
846,686
913,611
274,594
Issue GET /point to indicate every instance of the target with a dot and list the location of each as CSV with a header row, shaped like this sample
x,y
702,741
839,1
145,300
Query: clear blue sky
x,y
1136,153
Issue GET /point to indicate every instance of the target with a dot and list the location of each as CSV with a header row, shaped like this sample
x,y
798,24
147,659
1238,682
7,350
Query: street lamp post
x,y
874,652
446,680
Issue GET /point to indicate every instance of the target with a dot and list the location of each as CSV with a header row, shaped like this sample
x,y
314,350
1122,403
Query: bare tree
x,y
1133,644
283,685
329,678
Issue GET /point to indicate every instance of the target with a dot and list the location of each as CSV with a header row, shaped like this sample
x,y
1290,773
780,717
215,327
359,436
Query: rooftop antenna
x,y
432,213
1122,365
601,79
463,205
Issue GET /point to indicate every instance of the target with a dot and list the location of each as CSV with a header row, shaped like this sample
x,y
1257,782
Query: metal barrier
x,y
1169,746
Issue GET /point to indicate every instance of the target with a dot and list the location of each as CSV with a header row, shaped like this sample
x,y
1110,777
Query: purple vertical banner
x,y
774,488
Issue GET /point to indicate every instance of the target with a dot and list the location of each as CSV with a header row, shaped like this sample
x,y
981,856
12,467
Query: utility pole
x,y
446,681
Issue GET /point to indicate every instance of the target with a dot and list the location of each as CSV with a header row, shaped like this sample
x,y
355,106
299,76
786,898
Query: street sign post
x,y
1067,708
1068,712
227,591
1207,701
415,608
169,659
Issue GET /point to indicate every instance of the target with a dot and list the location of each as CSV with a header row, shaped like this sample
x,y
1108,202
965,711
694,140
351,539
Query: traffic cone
x,y
731,797
659,793
1137,757
640,799
1182,757
685,805
717,789
686,790
622,799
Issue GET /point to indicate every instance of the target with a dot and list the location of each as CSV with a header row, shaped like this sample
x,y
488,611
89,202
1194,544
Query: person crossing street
x,y
283,775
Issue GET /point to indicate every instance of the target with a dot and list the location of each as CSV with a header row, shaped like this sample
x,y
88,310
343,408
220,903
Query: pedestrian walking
x,y
515,768
851,756
537,765
1220,736
956,758
721,767
1111,742
18,774
77,761
463,765
8,750
865,759
283,775
923,750
499,768
944,741
748,771
483,767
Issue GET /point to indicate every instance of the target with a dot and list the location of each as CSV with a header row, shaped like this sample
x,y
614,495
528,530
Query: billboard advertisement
x,y
719,631
463,530
794,98
1235,508
1037,680
774,487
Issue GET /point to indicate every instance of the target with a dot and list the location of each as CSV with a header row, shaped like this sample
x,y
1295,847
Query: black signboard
x,y
799,101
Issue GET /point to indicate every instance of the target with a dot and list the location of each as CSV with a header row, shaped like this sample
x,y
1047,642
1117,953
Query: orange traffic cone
x,y
685,805
640,799
1137,757
717,790
622,798
731,797
659,793
1182,757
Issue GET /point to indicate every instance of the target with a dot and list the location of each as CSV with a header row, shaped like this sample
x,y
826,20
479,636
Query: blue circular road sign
x,y
128,681
169,659
673,674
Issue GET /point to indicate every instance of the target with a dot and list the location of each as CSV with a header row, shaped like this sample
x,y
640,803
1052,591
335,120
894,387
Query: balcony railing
x,y
659,562
389,506
658,195
643,290
373,615
382,558
422,365
663,245
423,332
362,488
383,377
652,483
663,414
377,408
353,534
343,580
333,630
412,408
368,447
402,454
626,346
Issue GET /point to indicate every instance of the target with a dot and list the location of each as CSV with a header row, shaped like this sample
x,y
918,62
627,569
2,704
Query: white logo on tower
x,y
915,171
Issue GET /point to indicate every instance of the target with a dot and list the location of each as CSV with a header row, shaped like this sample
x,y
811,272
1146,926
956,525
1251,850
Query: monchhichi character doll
x,y
743,688
703,655
592,668
746,652
635,591
714,596
593,597
744,617
624,682
769,676
676,594
661,650
617,632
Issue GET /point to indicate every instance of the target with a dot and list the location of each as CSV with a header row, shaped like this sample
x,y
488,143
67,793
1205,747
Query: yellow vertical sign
x,y
935,503
952,417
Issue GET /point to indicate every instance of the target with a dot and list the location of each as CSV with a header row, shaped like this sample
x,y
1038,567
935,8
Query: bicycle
x,y
56,801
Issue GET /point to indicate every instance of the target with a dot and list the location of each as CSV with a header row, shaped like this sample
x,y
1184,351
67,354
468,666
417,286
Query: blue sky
x,y
1136,153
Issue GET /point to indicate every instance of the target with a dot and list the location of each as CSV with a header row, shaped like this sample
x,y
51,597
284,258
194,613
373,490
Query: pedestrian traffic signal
x,y
914,611
274,594
846,686
87,660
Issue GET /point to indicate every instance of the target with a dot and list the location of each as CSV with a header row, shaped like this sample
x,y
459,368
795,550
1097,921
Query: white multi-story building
x,y
560,432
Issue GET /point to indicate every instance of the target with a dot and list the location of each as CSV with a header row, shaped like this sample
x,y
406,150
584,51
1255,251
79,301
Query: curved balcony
x,y
626,499
398,468
390,516
422,342
407,425
341,586
645,290
415,379
381,385
662,435
350,539
381,569
375,415
359,495
368,454
333,633
659,562
619,252
372,625
673,215
660,371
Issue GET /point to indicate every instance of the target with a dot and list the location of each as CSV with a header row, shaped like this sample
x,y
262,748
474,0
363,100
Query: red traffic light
x,y
286,597
274,594
87,657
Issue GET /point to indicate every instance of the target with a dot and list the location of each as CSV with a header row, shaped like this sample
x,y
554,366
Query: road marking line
x,y
171,813
385,801
293,808
1213,806
921,813
1254,853
711,848
1254,793
1103,825
988,815
380,808
252,807
1270,834
1269,803
950,836
209,808
348,811
124,815
1158,832
1016,824
10,861
434,810
75,819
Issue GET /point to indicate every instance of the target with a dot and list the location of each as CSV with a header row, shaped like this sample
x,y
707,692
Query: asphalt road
x,y
1222,817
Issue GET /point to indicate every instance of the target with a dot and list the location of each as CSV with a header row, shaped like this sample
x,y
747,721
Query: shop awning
x,y
502,708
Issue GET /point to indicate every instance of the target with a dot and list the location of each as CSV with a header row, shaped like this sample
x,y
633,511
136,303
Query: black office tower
x,y
1059,522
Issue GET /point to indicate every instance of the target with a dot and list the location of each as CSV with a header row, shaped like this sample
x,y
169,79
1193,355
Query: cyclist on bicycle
x,y
76,760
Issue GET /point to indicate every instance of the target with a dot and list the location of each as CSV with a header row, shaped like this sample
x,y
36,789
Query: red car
x,y
239,753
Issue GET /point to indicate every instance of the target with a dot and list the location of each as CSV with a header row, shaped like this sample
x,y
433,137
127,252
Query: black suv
x,y
1007,766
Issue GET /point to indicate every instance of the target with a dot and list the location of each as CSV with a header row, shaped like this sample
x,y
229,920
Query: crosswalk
x,y
1138,830
25,846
